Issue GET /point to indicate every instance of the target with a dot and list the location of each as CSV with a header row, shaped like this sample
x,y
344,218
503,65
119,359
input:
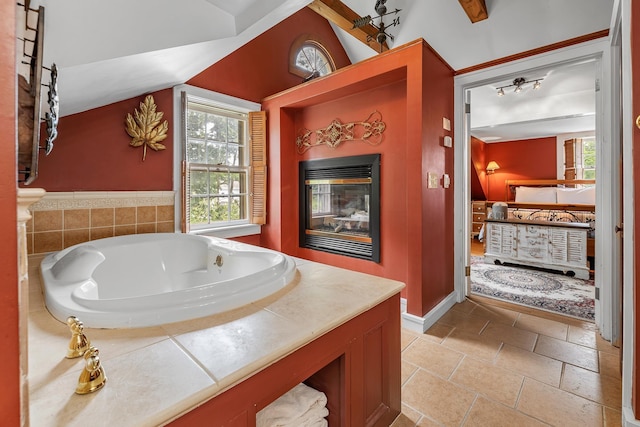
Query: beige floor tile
x,y
485,413
432,357
568,352
438,332
466,306
459,320
496,314
407,418
582,336
426,422
612,418
407,337
494,382
599,388
436,398
511,335
610,364
530,364
542,326
558,407
406,370
473,344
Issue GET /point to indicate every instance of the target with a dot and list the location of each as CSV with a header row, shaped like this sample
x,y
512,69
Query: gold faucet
x,y
79,342
92,377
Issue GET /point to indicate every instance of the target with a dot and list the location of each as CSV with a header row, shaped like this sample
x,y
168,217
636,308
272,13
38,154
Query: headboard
x,y
577,194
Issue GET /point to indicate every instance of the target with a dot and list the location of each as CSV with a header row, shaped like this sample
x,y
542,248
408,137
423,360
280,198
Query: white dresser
x,y
553,245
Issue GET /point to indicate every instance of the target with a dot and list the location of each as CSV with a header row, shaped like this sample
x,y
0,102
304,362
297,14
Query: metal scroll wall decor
x,y
369,131
51,118
144,127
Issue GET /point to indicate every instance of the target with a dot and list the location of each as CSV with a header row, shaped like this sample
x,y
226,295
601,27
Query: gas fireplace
x,y
340,206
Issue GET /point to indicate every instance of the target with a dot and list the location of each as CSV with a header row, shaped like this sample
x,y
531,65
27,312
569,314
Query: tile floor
x,y
489,365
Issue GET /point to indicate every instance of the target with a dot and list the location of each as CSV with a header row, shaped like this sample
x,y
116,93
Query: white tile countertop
x,y
154,374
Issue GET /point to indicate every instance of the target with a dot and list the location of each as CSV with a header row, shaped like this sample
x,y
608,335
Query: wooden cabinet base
x,y
357,365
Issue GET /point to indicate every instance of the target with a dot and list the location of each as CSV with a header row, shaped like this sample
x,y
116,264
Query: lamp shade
x,y
492,166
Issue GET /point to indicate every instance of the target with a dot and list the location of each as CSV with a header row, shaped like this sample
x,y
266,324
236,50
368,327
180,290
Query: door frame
x,y
605,272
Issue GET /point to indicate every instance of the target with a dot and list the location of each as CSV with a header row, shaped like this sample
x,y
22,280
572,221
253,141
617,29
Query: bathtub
x,y
151,279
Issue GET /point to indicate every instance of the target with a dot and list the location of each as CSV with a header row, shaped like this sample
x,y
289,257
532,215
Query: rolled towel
x,y
301,406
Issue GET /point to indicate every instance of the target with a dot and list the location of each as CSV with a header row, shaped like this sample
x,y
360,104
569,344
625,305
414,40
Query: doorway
x,y
606,270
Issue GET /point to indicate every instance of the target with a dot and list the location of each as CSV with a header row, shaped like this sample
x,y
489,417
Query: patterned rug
x,y
539,289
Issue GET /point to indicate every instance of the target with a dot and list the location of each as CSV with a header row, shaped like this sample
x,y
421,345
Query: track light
x,y
518,84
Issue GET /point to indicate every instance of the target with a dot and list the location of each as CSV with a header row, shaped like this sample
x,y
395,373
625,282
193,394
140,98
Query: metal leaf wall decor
x,y
369,131
144,127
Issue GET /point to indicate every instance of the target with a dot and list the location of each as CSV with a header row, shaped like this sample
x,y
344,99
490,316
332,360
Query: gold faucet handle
x,y
92,378
79,342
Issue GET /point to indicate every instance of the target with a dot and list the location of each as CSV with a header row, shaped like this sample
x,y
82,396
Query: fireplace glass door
x,y
340,206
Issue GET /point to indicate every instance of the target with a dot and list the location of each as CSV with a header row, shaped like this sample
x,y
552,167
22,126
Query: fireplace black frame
x,y
365,166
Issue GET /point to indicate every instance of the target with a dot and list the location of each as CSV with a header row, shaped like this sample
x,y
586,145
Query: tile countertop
x,y
154,374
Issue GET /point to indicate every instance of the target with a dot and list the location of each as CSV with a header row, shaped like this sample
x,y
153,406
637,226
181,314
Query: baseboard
x,y
421,324
628,418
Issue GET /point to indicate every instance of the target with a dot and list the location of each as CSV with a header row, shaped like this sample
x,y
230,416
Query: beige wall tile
x,y
593,386
165,227
558,407
47,241
102,217
47,220
494,382
530,364
568,352
101,232
73,237
485,413
125,216
30,243
76,218
436,398
165,213
432,357
29,224
146,228
121,230
146,214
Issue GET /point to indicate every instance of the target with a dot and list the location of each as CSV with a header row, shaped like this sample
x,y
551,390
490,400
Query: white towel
x,y
302,406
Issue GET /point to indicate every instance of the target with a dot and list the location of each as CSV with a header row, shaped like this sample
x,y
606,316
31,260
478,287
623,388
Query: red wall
x,y
478,170
261,67
9,307
413,90
92,152
525,159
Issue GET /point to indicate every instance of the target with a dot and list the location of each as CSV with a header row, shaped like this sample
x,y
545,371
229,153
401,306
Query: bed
x,y
569,204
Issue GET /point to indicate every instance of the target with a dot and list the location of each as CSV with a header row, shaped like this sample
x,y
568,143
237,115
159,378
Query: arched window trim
x,y
303,41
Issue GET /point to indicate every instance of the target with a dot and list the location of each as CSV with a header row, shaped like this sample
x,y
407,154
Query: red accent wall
x,y
92,152
261,67
478,170
413,90
9,307
524,159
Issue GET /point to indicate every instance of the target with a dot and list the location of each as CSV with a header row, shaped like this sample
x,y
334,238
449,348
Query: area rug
x,y
543,290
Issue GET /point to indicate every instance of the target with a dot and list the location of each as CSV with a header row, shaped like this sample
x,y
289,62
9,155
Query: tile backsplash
x,y
61,220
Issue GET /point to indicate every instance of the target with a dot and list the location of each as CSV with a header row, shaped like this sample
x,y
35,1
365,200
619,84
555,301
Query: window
x,y
321,198
309,59
223,175
580,158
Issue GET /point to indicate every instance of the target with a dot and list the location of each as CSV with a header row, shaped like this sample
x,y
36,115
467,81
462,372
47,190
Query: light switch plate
x,y
432,180
446,123
448,142
446,181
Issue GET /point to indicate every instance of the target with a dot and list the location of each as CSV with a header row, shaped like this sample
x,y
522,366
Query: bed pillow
x,y
536,195
577,196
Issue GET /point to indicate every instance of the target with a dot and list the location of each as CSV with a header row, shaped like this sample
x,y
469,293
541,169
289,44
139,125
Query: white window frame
x,y
228,230
560,139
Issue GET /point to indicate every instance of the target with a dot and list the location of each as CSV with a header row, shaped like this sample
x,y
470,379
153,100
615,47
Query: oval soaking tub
x,y
151,279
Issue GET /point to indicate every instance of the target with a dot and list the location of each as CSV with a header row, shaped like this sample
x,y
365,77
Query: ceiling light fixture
x,y
381,35
518,83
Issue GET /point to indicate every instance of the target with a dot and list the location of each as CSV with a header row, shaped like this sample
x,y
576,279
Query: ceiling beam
x,y
476,9
341,15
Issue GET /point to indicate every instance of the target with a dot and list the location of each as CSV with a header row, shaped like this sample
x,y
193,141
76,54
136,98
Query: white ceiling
x,y
110,51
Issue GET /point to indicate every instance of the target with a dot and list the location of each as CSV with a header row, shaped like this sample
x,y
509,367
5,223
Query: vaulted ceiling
x,y
109,51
